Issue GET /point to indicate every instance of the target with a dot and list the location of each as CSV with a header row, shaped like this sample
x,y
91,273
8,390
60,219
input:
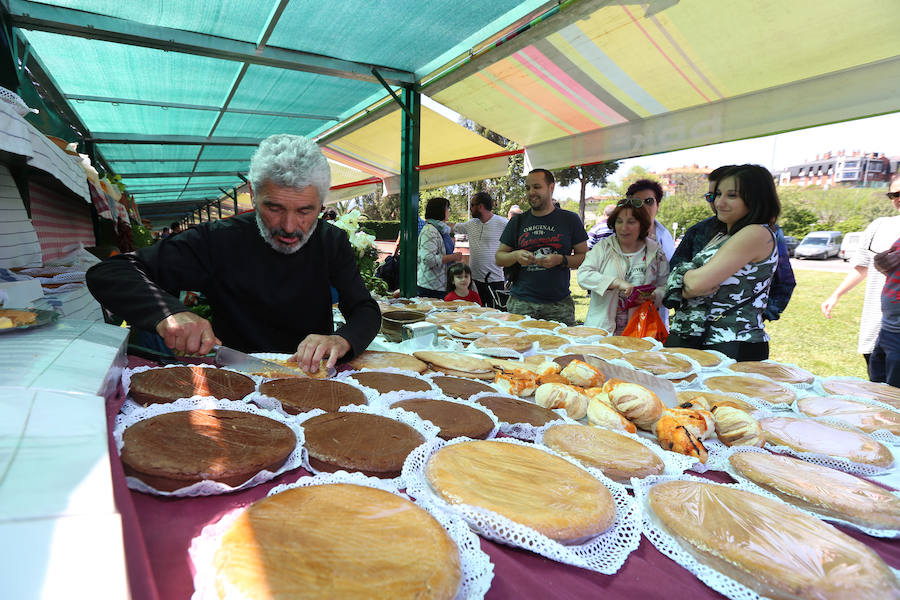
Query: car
x,y
819,244
791,243
850,244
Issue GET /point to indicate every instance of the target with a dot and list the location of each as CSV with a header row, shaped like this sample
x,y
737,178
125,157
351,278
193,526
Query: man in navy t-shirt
x,y
546,242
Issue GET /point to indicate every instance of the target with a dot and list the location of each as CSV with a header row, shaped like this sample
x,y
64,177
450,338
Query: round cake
x,y
454,419
546,341
835,494
503,330
159,386
302,395
174,450
774,371
657,363
519,343
628,343
703,358
880,392
770,547
374,359
581,331
619,457
604,352
371,444
753,387
807,435
538,324
526,485
336,541
460,387
867,417
508,316
385,383
510,410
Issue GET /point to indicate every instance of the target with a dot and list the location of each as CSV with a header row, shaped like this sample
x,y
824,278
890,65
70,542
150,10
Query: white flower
x,y
361,241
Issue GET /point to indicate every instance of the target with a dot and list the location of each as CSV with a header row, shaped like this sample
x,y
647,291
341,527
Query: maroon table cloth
x,y
158,532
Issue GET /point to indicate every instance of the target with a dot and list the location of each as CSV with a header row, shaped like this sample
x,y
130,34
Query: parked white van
x,y
850,244
819,244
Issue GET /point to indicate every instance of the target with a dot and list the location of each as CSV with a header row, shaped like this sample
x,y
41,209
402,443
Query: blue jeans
x,y
884,363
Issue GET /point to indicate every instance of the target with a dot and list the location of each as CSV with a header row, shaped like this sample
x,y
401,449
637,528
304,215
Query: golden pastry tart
x,y
454,361
581,331
707,400
450,304
336,541
603,352
376,359
510,317
821,490
503,330
546,341
478,310
807,435
467,327
770,547
703,358
774,371
440,318
508,342
628,343
753,387
657,363
419,307
859,414
526,485
880,392
538,324
619,457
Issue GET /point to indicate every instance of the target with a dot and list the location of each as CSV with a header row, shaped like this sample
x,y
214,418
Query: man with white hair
x,y
267,274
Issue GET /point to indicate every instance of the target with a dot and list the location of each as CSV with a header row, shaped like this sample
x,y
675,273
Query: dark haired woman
x,y
618,263
719,296
431,271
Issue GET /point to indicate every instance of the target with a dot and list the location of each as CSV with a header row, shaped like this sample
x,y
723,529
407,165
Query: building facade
x,y
843,169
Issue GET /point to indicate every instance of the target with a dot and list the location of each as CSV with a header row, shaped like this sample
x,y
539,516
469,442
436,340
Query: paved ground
x,y
834,265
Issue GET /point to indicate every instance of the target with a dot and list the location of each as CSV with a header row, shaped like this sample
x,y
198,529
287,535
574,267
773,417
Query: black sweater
x,y
262,300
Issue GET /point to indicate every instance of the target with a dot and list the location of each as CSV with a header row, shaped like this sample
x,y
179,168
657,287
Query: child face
x,y
462,280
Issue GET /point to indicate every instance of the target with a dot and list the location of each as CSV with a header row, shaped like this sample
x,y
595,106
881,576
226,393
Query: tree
x,y
595,174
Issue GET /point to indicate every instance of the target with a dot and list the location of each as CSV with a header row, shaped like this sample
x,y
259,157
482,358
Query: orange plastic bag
x,y
646,322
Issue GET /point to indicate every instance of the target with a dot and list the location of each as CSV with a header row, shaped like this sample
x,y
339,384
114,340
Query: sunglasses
x,y
635,202
893,195
711,196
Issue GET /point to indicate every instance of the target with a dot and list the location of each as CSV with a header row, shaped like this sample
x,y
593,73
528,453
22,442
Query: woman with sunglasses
x,y
620,262
720,294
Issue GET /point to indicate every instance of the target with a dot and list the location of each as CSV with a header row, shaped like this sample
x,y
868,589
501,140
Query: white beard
x,y
269,236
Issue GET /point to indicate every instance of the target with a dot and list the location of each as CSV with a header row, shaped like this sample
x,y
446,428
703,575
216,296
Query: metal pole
x,y
219,206
409,190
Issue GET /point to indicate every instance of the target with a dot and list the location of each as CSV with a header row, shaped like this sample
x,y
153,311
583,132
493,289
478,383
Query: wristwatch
x,y
565,261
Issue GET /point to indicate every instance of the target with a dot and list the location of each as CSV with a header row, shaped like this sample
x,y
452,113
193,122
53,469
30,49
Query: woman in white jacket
x,y
618,263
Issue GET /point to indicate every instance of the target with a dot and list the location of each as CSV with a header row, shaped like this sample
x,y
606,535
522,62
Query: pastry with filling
x,y
754,387
336,541
371,444
600,413
709,400
583,374
159,386
735,427
303,395
636,403
774,371
516,382
604,352
539,324
560,395
864,416
18,317
674,435
807,435
702,357
628,343
175,450
770,547
375,359
620,458
880,392
581,331
525,484
459,387
454,419
821,490
657,363
510,410
385,383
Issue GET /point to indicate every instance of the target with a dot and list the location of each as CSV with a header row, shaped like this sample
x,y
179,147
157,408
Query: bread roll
x,y
558,395
674,436
698,421
517,382
736,428
638,404
582,374
603,415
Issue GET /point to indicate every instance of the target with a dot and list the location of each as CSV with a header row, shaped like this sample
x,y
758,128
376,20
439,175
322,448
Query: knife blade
x,y
240,361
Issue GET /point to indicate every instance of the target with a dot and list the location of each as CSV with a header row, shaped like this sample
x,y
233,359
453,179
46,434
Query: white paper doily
x,y
605,553
477,569
209,488
736,475
428,431
524,431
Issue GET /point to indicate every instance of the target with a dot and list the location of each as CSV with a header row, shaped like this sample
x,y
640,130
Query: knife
x,y
233,359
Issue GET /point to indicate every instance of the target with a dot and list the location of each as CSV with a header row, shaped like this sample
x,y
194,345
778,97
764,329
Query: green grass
x,y
803,335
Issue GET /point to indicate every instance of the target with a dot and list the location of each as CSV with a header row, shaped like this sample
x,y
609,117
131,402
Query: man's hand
x,y
549,261
828,305
315,347
887,262
187,333
523,257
